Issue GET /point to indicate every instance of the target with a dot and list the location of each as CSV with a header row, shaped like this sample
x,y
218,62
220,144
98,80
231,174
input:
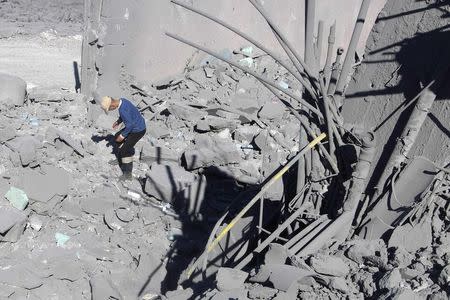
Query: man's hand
x,y
115,125
119,138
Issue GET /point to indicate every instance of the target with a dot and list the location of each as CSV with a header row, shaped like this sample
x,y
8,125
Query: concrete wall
x,y
132,40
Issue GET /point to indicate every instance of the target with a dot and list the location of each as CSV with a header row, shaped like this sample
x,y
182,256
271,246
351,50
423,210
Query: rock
x,y
280,276
265,142
412,238
400,258
20,275
229,279
272,110
9,217
7,133
444,276
245,103
262,292
240,294
405,294
26,147
35,222
246,133
329,265
391,280
276,254
183,294
157,130
12,90
164,182
339,284
365,248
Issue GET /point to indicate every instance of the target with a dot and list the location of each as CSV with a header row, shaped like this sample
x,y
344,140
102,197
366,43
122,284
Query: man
x,y
127,138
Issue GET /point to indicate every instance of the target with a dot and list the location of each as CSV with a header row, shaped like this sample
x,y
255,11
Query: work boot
x,y
127,170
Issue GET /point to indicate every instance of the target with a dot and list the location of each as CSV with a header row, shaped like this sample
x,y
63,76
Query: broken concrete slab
x,y
390,280
329,265
43,186
9,217
280,276
412,238
220,152
244,103
26,147
150,154
21,276
272,110
12,90
164,182
229,279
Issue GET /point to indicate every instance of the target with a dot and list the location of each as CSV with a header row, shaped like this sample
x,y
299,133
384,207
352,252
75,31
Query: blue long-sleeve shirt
x,y
131,118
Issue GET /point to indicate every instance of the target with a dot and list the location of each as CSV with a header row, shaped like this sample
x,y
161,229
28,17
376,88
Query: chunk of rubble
x,y
26,147
412,238
216,153
272,110
391,280
43,186
150,154
280,276
21,276
329,265
362,249
164,182
444,277
276,254
9,217
12,90
181,294
229,279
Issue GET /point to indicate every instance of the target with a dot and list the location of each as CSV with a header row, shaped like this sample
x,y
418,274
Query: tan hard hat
x,y
106,103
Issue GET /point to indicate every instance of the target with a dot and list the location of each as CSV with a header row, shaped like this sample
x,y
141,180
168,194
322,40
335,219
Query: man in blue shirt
x,y
127,138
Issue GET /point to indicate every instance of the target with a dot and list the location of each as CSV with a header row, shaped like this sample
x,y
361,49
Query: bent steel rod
x,y
327,67
308,129
262,11
273,236
247,70
349,57
263,190
329,120
254,42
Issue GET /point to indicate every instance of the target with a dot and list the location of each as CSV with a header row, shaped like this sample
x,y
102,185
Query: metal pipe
x,y
328,119
335,72
327,67
351,50
291,242
261,213
319,45
247,37
247,70
263,190
272,24
309,236
309,31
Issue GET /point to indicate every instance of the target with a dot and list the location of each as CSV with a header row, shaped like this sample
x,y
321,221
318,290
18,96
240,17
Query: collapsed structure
x,y
257,204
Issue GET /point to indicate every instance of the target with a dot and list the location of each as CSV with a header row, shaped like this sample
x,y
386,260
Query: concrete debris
x,y
329,265
230,279
412,238
12,90
61,239
272,110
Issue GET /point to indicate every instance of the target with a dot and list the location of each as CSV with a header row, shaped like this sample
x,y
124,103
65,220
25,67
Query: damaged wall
x,y
115,29
399,61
